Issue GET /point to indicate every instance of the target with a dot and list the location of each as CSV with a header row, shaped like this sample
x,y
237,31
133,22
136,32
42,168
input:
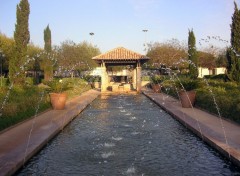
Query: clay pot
x,y
187,98
58,100
156,88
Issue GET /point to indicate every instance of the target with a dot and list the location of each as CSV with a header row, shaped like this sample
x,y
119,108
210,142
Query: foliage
x,y
21,37
169,87
47,62
227,101
192,55
156,79
22,104
78,86
233,52
7,47
187,84
34,52
23,101
72,56
57,85
166,53
90,78
146,78
221,77
206,60
226,95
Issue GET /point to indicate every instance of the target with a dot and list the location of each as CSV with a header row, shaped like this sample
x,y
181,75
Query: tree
x,y
7,48
192,55
21,37
206,59
233,53
166,53
47,63
76,57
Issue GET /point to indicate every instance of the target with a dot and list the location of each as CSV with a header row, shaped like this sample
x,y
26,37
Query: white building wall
x,y
205,71
220,70
202,72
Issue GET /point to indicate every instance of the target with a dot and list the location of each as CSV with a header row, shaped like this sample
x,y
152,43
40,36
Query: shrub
x,y
222,77
187,84
169,87
23,101
146,78
156,79
228,102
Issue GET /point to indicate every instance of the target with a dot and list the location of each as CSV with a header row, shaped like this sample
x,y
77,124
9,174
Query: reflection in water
x,y
127,135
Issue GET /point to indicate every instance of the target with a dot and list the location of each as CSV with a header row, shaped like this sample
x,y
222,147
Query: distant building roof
x,y
120,54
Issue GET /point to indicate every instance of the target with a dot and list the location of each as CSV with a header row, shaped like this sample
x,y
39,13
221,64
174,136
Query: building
x,y
127,79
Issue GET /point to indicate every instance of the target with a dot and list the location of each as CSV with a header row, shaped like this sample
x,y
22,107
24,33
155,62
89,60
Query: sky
x,y
118,23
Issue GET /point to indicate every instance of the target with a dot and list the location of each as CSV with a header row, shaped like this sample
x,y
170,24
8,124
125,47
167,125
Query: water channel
x,y
127,135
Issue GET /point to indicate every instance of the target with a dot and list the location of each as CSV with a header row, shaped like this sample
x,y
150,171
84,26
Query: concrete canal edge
x,y
209,135
22,142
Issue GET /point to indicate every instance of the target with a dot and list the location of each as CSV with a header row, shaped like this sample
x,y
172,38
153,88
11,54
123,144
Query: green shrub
x,y
23,101
4,81
226,85
169,87
228,102
217,95
222,77
187,84
146,78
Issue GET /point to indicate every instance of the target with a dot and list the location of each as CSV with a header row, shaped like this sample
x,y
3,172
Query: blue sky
x,y
120,22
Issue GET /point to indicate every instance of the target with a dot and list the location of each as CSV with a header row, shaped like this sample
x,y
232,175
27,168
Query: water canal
x,y
127,135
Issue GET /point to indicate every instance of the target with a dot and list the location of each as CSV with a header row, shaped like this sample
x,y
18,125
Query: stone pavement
x,y
221,134
21,142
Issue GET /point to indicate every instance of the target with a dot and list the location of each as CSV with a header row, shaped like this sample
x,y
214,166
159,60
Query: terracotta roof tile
x,y
120,53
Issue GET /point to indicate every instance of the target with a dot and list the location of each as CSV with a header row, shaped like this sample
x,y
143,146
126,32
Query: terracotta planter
x,y
156,88
187,98
58,100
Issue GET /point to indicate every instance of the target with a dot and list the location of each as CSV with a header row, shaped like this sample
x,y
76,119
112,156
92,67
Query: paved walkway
x,y
221,134
20,143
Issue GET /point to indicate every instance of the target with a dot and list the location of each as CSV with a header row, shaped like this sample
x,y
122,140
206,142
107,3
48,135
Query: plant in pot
x,y
58,96
155,83
187,93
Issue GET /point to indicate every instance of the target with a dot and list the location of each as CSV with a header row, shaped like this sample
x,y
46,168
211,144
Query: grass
x,y
26,101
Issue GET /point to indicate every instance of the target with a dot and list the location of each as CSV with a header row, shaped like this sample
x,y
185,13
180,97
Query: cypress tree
x,y
47,63
192,55
21,37
47,39
233,53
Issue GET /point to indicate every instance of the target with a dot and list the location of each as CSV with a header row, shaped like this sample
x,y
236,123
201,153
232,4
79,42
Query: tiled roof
x,y
120,53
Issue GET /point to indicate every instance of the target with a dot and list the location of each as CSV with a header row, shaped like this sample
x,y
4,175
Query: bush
x,y
146,78
156,79
23,101
169,87
187,84
226,95
222,77
21,104
4,81
228,102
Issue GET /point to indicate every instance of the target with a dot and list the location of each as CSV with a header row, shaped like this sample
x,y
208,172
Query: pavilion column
x,y
138,79
134,78
104,78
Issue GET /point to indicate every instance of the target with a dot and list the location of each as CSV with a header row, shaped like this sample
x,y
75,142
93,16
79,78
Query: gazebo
x,y
121,57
